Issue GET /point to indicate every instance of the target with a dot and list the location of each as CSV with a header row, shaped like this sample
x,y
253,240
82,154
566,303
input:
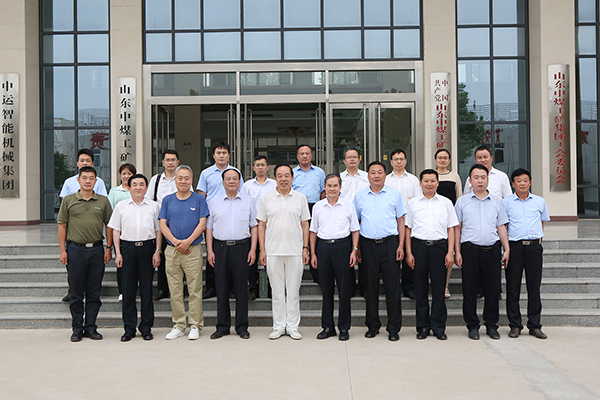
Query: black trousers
x,y
253,275
313,272
430,264
137,268
408,279
161,272
333,264
362,279
481,268
528,258
379,259
85,270
231,270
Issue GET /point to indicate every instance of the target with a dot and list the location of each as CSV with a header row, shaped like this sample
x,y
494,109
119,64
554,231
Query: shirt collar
x,y
237,196
517,198
280,195
144,201
485,198
78,196
393,173
383,190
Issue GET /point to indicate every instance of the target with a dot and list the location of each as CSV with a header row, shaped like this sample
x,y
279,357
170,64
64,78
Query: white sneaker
x,y
295,335
194,333
174,334
275,334
120,297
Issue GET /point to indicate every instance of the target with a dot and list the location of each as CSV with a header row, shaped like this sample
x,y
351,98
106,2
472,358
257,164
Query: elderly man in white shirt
x,y
499,184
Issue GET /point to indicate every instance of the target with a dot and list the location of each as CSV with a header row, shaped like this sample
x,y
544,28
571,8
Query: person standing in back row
x,y
499,184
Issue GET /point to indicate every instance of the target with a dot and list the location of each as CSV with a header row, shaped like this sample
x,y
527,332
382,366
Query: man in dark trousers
x,y
81,219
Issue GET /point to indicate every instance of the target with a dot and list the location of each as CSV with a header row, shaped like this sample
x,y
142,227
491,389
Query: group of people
x,y
405,230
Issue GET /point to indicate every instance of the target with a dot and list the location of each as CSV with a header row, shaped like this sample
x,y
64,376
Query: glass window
x,y
510,144
509,90
58,96
509,11
471,12
158,47
377,44
302,45
93,96
262,46
92,48
222,14
470,136
342,44
377,12
58,49
339,13
187,14
158,14
587,202
222,46
199,84
395,81
97,140
586,40
92,15
407,12
187,47
306,82
586,10
587,165
473,42
407,43
587,93
261,14
57,15
509,42
474,89
302,14
59,158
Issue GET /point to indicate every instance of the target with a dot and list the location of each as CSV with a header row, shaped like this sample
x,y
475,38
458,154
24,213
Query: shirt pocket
x,y
148,221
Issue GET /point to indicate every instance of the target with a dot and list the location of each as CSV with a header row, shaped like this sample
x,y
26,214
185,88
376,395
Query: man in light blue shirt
x,y
482,227
526,216
308,178
381,211
85,158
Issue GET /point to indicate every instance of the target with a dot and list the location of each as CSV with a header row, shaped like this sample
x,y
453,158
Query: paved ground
x,y
43,364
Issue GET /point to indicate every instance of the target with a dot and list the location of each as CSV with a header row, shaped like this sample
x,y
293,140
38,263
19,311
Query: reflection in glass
x,y
196,84
407,12
339,13
509,42
222,46
377,12
302,45
262,46
58,96
407,43
510,145
187,14
221,14
473,42
396,132
586,40
470,136
474,94
57,15
377,44
342,44
97,140
509,11
587,10
92,15
393,81
587,154
93,96
587,104
187,47
471,12
348,131
58,48
587,202
307,82
261,14
60,154
510,94
302,14
92,48
158,14
158,47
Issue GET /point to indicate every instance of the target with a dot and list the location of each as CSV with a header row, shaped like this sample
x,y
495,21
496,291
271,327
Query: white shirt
x,y
407,184
498,184
166,186
430,219
231,219
283,214
71,186
334,221
135,222
256,190
352,184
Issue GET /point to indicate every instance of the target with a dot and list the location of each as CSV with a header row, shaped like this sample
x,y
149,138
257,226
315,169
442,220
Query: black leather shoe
x,y
218,334
480,295
208,293
252,296
371,333
422,334
127,337
147,336
161,295
393,336
66,299
76,336
492,333
474,334
410,294
245,335
538,333
514,333
344,335
94,335
441,336
326,333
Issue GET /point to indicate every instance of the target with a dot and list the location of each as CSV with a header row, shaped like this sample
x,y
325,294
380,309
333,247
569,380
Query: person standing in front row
x,y
334,233
231,248
283,238
81,219
430,222
526,216
137,238
482,228
182,221
380,211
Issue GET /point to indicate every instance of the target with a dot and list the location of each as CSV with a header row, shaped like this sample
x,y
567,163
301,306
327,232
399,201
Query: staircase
x,y
33,282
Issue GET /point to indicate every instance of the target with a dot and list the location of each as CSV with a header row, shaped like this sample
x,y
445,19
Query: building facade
x,y
130,78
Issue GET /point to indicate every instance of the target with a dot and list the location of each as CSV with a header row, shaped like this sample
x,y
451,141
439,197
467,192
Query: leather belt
x,y
140,243
332,241
482,248
231,242
380,240
95,244
528,242
431,242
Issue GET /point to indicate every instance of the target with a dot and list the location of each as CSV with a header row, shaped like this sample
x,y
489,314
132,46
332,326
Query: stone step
x,y
30,249
550,244
572,256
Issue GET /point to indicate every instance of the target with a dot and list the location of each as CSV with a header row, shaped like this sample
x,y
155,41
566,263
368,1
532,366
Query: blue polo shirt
x,y
378,212
479,218
525,217
310,183
211,181
183,216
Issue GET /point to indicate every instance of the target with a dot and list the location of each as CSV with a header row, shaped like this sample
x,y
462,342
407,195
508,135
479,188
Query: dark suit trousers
x,y
161,272
253,275
333,264
408,279
313,272
380,259
137,267
85,269
481,268
528,258
231,270
430,265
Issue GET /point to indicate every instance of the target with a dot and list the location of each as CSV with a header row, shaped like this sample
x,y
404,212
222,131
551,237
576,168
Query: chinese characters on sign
x,y
440,109
126,103
9,118
560,160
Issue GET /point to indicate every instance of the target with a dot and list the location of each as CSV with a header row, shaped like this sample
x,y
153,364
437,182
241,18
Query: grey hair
x,y
185,167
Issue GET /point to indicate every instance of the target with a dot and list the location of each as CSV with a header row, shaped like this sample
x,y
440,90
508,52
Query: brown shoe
x,y
251,296
514,333
538,333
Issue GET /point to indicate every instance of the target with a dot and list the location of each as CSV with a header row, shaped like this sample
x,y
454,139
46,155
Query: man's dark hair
x,y
170,151
347,149
519,172
87,152
139,176
483,147
376,163
230,169
220,145
88,169
429,172
260,157
333,175
441,150
397,151
304,145
128,166
282,165
479,166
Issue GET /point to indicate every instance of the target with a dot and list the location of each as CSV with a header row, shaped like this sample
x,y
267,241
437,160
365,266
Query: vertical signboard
x,y
440,109
558,118
9,117
126,103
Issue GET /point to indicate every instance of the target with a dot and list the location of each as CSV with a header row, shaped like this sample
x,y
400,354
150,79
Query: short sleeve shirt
x,y
211,181
136,222
71,186
378,212
334,221
525,217
231,219
183,216
255,190
480,218
84,218
498,184
429,219
310,183
407,184
353,183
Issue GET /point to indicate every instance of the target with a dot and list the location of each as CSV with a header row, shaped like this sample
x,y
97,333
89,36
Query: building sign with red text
x,y
126,120
9,119
560,159
440,109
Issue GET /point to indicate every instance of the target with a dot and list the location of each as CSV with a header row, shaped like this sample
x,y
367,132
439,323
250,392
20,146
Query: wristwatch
x,y
109,247
355,248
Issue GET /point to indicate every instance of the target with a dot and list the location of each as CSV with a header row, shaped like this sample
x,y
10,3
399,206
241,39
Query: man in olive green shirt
x,y
81,220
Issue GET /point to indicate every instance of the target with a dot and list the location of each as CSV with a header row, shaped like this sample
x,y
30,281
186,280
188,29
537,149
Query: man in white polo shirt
x,y
498,185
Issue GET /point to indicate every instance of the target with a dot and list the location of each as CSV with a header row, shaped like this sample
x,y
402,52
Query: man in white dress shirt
x,y
498,185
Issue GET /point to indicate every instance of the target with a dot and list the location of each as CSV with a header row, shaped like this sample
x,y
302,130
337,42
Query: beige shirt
x,y
135,222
